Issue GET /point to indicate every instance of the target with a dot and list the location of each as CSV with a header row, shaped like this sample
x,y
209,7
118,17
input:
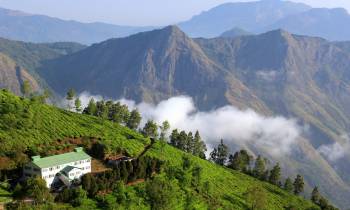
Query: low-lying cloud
x,y
277,135
336,151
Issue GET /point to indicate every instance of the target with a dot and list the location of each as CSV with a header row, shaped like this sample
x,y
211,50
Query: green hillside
x,y
28,125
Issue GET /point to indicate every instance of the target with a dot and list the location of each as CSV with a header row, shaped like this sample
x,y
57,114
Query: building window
x,y
28,168
51,175
71,174
45,170
51,169
88,161
36,170
57,167
27,175
75,163
87,167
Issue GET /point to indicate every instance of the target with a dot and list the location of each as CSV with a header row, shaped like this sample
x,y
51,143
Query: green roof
x,y
61,159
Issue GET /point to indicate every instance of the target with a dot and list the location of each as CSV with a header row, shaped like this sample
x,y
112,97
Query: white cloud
x,y
277,135
336,151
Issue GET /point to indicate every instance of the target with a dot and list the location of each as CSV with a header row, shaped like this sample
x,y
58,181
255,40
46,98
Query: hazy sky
x,y
133,12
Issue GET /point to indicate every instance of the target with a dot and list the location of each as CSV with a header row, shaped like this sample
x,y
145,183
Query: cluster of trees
x,y
162,191
321,201
34,188
126,171
243,162
188,143
115,112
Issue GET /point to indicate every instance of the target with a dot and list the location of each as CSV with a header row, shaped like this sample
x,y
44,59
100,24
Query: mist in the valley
x,y
276,135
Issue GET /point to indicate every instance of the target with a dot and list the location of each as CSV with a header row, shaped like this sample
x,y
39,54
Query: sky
x,y
133,12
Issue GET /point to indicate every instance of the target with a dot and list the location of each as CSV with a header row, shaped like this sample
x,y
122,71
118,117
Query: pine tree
x,y
77,104
298,184
174,138
70,96
219,154
150,129
164,128
315,196
240,161
259,167
134,119
91,109
26,89
275,175
288,185
199,147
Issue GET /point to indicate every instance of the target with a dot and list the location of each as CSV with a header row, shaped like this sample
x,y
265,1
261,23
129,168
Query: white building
x,y
65,167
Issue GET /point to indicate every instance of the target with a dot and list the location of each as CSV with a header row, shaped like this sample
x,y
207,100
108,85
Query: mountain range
x,y
267,15
22,26
255,17
275,73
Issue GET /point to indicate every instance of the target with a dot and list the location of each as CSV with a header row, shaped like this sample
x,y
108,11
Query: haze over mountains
x,y
266,15
254,17
18,25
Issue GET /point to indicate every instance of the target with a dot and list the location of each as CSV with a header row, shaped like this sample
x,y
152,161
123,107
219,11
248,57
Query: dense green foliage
x,y
187,181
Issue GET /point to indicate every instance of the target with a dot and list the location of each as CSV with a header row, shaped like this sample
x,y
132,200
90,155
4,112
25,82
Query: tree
x,y
199,147
163,194
91,109
18,192
164,128
134,120
298,184
256,197
70,96
240,161
26,89
36,189
117,112
275,175
79,195
77,104
196,176
259,167
288,185
174,138
150,129
219,154
315,196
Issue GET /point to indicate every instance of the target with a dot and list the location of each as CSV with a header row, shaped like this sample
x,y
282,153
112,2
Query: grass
x,y
40,126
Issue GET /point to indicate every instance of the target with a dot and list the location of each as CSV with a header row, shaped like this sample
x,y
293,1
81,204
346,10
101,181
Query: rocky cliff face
x,y
12,76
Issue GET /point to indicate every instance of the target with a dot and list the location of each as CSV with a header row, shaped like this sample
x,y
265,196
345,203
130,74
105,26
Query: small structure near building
x,y
117,160
66,168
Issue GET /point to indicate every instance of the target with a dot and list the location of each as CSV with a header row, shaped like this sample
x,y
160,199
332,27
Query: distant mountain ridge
x,y
235,32
272,73
19,61
267,15
21,26
251,16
